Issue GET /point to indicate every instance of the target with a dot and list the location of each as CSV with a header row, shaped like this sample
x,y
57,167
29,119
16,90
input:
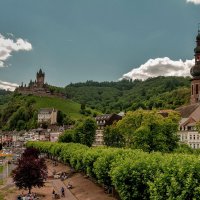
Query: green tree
x,y
82,106
31,170
85,132
68,121
150,131
60,117
198,126
112,137
67,136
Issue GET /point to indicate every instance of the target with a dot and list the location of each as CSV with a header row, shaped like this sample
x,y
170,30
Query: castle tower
x,y
40,78
195,72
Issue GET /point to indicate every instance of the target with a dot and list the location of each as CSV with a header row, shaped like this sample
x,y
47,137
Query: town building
x,y
47,115
190,114
6,138
103,121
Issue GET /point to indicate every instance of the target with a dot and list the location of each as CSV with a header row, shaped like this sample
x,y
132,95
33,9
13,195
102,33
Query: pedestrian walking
x,y
62,192
53,194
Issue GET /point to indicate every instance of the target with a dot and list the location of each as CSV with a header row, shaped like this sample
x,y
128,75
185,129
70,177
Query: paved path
x,y
58,184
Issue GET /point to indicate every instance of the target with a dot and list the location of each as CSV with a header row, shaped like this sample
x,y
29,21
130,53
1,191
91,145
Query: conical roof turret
x,y
195,70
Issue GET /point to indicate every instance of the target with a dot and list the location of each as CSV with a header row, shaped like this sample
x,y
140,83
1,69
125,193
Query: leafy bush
x,y
134,174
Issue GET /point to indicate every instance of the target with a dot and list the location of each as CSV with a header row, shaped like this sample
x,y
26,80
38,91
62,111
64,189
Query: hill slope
x,y
67,106
159,92
21,111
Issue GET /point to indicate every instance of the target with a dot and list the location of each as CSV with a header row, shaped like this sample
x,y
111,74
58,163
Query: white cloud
x,y
1,64
8,86
160,67
7,46
193,1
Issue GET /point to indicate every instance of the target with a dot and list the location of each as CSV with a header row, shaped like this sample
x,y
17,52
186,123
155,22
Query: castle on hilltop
x,y
38,87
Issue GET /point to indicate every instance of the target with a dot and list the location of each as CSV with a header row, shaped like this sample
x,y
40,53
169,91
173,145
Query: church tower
x,y
40,79
195,72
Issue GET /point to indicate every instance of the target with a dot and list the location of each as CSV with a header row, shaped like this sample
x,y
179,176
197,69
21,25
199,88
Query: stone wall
x,y
37,92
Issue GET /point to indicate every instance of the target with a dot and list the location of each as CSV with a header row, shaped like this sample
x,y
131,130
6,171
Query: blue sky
x,y
101,40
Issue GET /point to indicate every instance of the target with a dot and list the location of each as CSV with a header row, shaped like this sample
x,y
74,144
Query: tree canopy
x,y
31,170
158,92
83,133
147,130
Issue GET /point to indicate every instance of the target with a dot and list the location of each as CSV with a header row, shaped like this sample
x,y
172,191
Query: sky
x,y
101,40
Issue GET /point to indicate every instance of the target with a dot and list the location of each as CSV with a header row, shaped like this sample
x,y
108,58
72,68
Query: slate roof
x,y
186,111
47,110
103,117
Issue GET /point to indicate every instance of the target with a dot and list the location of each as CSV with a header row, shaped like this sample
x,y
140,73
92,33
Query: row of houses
x,y
17,139
49,115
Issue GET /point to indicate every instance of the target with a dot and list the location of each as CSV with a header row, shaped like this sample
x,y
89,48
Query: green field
x,y
67,106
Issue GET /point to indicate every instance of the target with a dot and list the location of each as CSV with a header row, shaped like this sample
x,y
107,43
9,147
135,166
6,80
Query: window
x,y
190,137
194,146
197,146
194,137
197,89
181,137
192,89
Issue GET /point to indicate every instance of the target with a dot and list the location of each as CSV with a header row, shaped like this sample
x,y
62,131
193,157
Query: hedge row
x,y
134,174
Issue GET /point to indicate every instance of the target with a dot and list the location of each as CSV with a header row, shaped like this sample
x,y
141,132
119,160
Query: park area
x,y
82,187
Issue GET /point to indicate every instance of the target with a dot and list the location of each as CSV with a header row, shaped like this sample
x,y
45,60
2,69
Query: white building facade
x,y
48,115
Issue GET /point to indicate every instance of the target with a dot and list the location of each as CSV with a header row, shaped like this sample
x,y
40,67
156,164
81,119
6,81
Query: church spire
x,y
195,72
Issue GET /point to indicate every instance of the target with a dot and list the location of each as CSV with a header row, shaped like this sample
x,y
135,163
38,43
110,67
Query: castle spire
x,y
40,78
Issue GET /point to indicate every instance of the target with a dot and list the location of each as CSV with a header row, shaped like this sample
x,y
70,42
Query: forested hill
x,y
4,96
159,92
